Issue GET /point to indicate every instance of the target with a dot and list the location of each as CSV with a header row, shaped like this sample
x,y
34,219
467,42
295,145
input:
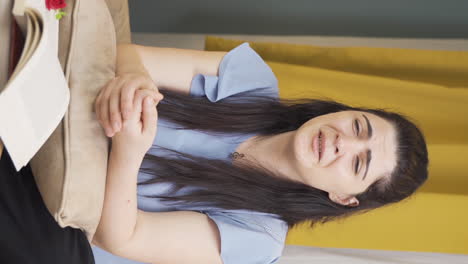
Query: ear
x,y
350,201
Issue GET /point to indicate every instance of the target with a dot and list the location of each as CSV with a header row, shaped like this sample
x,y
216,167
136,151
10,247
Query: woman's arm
x,y
119,213
174,69
129,146
150,237
128,60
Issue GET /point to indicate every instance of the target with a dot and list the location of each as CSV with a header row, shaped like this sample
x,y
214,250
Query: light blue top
x,y
247,237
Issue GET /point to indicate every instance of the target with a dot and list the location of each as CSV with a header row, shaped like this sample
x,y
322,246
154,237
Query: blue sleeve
x,y
240,70
246,240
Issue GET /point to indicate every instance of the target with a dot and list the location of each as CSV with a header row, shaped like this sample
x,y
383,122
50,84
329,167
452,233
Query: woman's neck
x,y
273,152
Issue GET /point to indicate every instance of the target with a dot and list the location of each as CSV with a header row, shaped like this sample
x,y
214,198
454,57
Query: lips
x,y
322,146
315,146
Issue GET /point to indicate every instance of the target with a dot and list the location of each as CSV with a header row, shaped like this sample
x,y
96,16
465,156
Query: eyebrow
x,y
369,152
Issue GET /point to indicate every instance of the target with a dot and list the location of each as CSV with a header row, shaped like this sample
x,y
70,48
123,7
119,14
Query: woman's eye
x,y
356,166
357,126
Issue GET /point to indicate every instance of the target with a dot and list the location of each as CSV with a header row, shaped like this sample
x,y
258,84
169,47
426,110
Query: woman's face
x,y
358,149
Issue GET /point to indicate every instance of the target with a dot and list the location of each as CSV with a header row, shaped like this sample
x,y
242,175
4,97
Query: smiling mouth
x,y
320,146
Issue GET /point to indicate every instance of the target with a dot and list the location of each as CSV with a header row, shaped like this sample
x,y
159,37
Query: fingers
x,y
102,108
140,95
157,96
149,115
128,92
126,99
114,111
116,101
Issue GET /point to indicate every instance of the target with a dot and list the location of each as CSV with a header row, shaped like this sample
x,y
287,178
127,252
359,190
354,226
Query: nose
x,y
348,144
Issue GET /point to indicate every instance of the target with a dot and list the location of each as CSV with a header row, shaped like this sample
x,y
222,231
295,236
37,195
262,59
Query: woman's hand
x,y
138,131
115,101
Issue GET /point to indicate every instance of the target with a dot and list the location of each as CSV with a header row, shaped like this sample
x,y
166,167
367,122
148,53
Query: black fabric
x,y
28,233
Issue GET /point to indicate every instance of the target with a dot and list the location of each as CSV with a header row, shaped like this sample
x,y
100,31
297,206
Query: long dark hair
x,y
226,185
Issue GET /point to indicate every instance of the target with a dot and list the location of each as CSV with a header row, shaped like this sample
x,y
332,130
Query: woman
x,y
244,166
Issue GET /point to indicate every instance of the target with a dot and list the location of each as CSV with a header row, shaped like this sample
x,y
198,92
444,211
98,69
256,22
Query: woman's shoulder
x,y
249,237
269,224
241,70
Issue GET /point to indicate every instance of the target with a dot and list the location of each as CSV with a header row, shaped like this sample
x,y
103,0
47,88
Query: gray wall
x,y
371,18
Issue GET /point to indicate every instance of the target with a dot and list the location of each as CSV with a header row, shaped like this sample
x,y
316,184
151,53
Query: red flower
x,y
55,4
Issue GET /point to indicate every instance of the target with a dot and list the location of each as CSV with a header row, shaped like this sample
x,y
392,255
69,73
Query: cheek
x,y
339,180
334,178
326,179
